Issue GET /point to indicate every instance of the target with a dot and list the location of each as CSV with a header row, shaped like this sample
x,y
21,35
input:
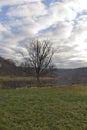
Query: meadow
x,y
49,108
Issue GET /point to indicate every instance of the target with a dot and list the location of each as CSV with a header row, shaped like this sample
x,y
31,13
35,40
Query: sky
x,y
63,22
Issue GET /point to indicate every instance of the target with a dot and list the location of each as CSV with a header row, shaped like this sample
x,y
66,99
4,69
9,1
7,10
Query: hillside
x,y
71,76
8,68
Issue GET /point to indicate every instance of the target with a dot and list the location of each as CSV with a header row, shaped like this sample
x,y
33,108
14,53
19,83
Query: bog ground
x,y
52,108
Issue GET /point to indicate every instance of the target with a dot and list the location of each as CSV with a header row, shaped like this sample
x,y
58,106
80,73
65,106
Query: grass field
x,y
57,108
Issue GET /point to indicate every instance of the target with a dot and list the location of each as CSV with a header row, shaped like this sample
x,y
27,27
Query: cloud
x,y
77,6
63,22
16,2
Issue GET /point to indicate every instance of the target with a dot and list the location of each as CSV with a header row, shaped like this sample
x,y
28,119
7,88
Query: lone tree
x,y
39,56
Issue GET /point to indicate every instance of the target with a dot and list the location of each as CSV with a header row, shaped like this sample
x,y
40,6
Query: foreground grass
x,y
58,108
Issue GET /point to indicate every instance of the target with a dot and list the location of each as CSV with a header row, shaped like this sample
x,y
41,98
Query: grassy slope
x,y
62,108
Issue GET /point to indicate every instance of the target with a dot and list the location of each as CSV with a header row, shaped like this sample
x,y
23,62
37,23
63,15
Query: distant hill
x,y
62,76
71,76
8,68
79,75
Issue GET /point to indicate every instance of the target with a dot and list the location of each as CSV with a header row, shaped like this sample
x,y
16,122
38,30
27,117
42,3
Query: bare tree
x,y
39,56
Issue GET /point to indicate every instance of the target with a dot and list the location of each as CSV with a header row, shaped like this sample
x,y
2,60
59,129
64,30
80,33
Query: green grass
x,y
58,108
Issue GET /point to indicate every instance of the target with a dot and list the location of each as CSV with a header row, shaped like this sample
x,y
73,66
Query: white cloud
x,y
16,2
77,6
28,10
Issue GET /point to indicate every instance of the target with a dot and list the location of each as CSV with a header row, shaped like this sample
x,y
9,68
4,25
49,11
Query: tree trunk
x,y
37,77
